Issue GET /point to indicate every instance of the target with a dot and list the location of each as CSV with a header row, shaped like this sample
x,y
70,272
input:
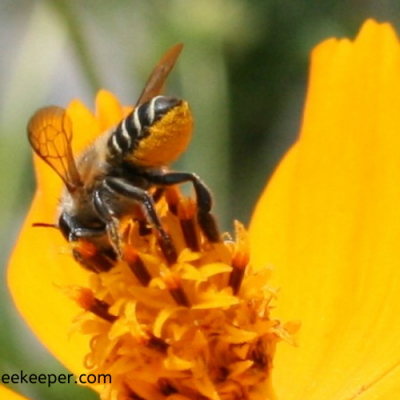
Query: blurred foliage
x,y
244,71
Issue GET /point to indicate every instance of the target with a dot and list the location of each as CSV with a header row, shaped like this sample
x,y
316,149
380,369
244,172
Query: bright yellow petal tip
x,y
329,223
108,110
7,394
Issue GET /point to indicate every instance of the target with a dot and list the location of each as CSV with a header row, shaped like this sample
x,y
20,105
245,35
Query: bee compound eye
x,y
64,226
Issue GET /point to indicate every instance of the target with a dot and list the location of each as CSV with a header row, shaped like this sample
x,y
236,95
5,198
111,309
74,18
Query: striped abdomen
x,y
135,126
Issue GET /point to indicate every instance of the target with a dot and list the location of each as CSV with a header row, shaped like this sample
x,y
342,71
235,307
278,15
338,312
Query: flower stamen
x,y
85,299
172,198
135,263
157,344
240,258
186,215
167,247
173,283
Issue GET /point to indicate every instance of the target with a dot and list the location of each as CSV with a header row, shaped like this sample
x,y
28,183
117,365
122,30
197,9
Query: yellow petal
x,y
108,110
8,394
42,263
37,269
329,223
85,126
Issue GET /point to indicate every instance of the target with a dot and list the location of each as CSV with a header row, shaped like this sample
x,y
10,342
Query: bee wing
x,y
155,83
50,135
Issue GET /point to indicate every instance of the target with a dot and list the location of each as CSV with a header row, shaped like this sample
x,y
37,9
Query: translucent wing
x,y
50,135
155,83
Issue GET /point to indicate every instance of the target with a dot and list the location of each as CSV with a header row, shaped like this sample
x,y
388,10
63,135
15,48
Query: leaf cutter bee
x,y
120,169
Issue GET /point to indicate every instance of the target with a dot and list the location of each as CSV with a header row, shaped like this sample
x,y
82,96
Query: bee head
x,y
168,137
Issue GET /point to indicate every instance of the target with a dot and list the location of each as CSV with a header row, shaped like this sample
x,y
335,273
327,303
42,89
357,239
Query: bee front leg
x,y
204,201
102,200
105,200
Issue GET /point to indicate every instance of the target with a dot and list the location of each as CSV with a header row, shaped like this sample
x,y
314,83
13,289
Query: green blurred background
x,y
243,69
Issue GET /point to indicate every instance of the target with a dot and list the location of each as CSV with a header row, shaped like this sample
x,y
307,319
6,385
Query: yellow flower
x,y
194,325
328,224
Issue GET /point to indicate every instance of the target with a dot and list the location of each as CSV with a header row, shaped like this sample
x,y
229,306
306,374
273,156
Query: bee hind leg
x,y
205,218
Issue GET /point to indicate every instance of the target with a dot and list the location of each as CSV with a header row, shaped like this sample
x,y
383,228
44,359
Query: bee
x,y
126,167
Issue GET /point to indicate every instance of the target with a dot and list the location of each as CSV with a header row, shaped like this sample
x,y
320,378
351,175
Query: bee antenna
x,y
44,225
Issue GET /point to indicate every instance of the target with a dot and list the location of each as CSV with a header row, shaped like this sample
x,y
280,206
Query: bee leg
x,y
204,201
112,187
103,205
114,234
158,194
144,226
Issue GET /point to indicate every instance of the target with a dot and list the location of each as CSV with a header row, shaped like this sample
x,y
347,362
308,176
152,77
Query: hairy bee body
x,y
143,143
117,175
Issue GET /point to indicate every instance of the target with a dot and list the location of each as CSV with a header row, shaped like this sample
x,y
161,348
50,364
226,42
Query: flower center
x,y
197,327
